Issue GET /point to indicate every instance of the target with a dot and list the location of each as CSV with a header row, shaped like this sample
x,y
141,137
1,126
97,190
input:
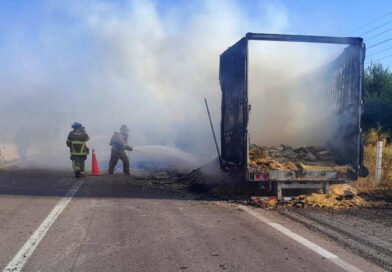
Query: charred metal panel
x,y
304,38
346,92
233,81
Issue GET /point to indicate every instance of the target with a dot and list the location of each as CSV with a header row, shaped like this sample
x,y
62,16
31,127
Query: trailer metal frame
x,y
233,77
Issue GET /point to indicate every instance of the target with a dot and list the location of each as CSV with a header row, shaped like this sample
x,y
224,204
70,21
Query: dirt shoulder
x,y
366,231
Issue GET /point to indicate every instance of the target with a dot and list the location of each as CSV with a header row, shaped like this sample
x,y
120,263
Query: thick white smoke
x,y
290,101
133,62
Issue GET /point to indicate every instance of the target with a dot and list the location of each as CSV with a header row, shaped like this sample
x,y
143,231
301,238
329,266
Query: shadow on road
x,y
38,182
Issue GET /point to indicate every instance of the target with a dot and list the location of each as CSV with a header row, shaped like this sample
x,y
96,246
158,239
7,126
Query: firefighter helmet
x,y
124,129
77,125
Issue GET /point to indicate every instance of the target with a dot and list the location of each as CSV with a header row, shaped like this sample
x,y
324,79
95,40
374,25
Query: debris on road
x,y
339,196
264,202
162,179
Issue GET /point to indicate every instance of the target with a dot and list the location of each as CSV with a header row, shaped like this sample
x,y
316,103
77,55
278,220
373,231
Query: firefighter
x,y
119,143
76,142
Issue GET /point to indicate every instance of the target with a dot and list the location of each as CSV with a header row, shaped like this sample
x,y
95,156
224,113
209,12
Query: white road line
x,y
20,259
312,246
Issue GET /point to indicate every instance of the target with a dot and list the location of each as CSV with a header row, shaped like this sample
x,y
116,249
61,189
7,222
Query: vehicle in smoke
x,y
334,91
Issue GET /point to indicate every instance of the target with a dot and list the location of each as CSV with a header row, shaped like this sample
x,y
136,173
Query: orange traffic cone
x,y
94,165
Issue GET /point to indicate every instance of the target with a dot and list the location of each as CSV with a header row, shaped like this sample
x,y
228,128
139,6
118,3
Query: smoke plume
x,y
289,95
106,63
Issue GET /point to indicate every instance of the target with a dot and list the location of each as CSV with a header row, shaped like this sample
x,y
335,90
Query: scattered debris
x,y
264,202
162,179
339,196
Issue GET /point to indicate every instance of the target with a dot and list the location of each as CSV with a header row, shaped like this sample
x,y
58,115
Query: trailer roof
x,y
304,38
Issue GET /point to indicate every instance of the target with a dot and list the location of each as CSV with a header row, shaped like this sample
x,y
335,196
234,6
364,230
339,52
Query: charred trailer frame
x,y
347,74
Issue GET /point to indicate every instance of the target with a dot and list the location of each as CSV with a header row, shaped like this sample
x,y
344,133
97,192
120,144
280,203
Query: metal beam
x,y
304,38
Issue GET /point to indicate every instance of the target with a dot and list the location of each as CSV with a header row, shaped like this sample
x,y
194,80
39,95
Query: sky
x,y
147,64
334,18
331,18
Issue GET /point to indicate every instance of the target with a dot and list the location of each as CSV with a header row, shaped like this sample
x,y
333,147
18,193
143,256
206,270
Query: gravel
x,y
366,231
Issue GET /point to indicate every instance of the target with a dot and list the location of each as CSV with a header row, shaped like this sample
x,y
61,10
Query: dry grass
x,y
370,152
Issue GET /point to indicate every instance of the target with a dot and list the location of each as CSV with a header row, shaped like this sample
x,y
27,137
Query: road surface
x,y
120,224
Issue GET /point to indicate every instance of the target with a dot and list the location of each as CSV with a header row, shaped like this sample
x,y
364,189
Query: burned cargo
x,y
291,116
282,157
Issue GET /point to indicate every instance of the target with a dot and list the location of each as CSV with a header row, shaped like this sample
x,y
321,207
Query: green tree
x,y
378,83
378,98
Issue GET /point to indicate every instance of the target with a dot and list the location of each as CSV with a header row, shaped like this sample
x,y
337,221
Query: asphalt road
x,y
120,224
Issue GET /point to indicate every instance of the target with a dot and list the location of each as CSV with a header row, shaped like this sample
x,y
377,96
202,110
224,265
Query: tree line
x,y
378,99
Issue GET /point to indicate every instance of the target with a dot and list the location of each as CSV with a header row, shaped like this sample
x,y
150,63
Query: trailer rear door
x,y
233,81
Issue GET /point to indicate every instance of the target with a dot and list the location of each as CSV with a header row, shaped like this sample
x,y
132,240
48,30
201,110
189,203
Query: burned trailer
x,y
339,81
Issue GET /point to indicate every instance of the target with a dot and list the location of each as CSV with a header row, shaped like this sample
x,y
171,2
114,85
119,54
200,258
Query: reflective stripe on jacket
x,y
76,142
78,148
